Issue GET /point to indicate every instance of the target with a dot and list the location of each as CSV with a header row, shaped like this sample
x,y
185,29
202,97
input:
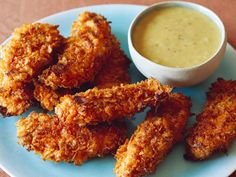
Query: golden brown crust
x,y
84,53
15,101
220,87
176,107
29,51
55,141
99,105
216,125
115,70
46,96
89,21
153,138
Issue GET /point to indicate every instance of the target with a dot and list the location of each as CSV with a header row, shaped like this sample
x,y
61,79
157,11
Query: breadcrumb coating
x,y
84,54
153,138
115,71
15,101
89,21
29,51
99,105
46,96
52,139
220,87
215,128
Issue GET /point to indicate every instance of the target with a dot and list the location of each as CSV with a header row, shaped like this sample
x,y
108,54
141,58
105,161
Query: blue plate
x,y
18,162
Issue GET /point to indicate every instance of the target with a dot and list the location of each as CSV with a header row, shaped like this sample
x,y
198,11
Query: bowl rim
x,y
197,7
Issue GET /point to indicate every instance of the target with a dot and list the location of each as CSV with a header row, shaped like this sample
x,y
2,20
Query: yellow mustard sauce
x,y
176,37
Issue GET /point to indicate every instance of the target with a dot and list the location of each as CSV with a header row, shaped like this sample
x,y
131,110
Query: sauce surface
x,y
176,37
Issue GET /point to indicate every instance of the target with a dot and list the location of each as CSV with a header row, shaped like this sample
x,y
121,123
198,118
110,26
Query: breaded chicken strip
x,y
153,138
92,22
99,105
84,53
15,101
47,97
216,125
56,141
115,71
29,51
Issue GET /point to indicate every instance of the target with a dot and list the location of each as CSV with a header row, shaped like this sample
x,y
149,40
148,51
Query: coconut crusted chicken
x,y
115,70
52,139
216,125
15,100
99,105
47,97
84,53
153,138
113,73
30,50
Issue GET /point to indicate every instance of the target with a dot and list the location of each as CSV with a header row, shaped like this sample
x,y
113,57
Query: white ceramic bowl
x,y
178,77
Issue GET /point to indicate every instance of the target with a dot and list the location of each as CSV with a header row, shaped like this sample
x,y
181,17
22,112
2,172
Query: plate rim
x,y
70,10
90,6
5,169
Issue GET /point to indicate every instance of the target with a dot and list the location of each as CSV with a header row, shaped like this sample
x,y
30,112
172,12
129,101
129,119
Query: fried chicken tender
x,y
115,71
47,97
30,50
52,139
84,54
99,105
92,22
153,138
215,128
15,101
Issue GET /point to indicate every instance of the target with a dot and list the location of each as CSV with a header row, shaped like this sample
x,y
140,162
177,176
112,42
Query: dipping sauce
x,y
176,37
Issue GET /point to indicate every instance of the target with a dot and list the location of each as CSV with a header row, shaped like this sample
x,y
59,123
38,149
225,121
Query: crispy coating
x,y
15,101
215,128
29,51
220,87
99,105
115,71
53,140
84,54
89,21
46,96
153,138
49,98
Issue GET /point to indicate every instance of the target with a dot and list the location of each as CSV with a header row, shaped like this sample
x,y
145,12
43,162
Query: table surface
x,y
14,13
